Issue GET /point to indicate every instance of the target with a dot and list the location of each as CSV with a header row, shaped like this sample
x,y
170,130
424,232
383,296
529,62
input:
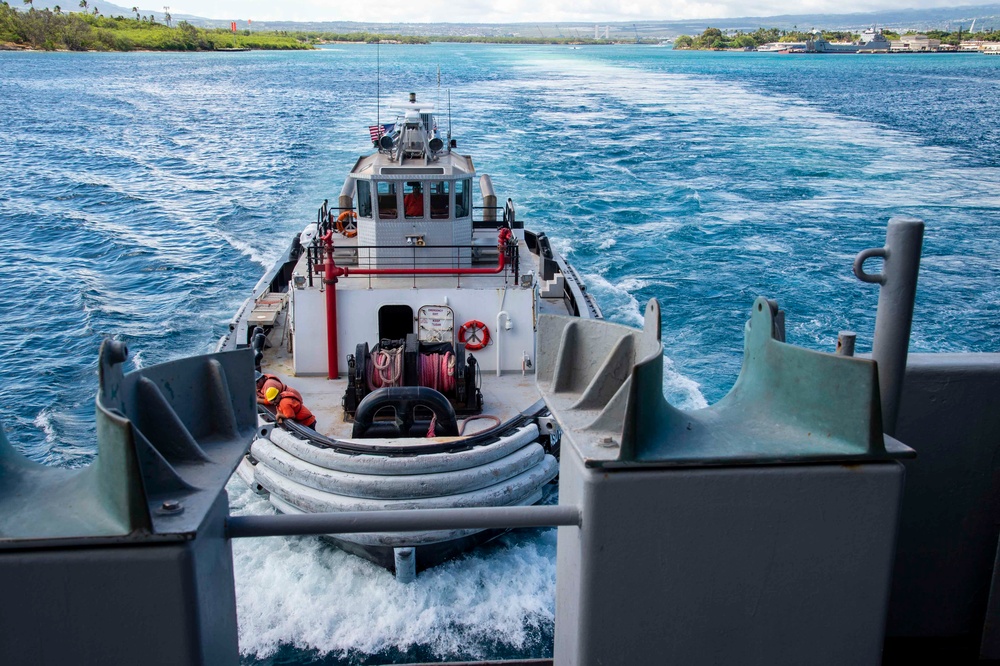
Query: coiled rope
x,y
437,371
386,368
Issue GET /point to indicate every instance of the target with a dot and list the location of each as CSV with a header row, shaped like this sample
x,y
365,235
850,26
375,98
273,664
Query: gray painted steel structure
x,y
760,530
127,561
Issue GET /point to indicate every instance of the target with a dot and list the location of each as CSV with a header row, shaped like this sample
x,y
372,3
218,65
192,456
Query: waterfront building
x,y
915,44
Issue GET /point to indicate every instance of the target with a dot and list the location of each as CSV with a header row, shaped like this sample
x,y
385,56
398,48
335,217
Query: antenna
x,y
449,118
378,89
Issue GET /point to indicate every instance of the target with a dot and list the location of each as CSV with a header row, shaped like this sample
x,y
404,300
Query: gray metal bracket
x,y
604,385
168,438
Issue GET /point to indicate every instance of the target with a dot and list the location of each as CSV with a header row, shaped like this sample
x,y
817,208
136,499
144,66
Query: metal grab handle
x,y
897,290
859,270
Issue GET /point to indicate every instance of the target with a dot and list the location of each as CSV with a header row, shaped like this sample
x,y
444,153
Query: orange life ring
x,y
474,335
345,224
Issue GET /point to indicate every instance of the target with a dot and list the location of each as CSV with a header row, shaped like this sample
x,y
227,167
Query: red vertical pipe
x,y
330,280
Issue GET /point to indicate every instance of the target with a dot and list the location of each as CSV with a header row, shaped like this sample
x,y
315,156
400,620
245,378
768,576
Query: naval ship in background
x,y
871,41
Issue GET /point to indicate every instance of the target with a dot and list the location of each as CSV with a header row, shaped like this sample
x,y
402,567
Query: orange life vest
x,y
290,406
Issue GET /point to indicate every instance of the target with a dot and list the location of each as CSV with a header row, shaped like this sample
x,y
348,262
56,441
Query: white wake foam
x,y
303,592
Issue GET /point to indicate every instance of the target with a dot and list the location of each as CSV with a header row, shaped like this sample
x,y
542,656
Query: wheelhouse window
x,y
387,204
439,200
463,195
413,199
364,198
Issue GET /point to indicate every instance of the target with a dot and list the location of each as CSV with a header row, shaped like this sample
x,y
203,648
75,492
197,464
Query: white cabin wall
x,y
358,322
520,306
309,332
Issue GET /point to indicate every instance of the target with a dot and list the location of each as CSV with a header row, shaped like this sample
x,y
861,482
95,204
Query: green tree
x,y
8,23
765,36
709,37
83,3
684,42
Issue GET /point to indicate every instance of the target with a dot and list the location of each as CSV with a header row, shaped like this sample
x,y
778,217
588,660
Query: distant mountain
x,y
943,18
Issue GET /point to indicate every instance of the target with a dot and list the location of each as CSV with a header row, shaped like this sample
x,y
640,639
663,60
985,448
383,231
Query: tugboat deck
x,y
504,397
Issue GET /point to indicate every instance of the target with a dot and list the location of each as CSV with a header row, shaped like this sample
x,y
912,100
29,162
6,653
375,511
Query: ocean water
x,y
143,195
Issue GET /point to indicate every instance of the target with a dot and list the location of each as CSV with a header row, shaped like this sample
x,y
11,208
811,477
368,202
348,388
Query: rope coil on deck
x,y
437,371
386,368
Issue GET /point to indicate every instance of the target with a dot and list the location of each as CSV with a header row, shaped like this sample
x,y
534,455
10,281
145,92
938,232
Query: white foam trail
x,y
694,107
303,592
265,257
45,422
680,391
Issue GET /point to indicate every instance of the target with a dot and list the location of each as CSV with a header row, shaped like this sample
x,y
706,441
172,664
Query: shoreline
x,y
13,46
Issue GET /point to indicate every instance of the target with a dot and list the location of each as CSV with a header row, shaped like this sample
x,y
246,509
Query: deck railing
x,y
413,260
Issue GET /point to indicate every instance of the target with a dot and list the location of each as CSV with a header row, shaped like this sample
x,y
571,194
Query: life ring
x,y
474,335
345,224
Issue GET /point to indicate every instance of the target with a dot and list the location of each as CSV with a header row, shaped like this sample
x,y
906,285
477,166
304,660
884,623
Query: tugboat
x,y
403,319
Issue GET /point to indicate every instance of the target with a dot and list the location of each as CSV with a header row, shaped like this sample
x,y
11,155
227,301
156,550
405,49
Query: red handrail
x,y
331,271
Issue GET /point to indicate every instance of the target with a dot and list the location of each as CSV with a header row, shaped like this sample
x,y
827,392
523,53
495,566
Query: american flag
x,y
376,131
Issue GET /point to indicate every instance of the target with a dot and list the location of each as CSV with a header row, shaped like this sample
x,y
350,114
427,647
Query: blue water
x,y
143,195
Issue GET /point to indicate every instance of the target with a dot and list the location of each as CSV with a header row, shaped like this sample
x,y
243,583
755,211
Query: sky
x,y
524,11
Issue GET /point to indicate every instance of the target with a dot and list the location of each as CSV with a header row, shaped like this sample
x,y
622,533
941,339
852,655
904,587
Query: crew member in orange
x,y
265,382
288,405
413,203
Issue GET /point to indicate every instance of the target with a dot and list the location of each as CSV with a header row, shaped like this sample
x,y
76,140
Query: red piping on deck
x,y
331,271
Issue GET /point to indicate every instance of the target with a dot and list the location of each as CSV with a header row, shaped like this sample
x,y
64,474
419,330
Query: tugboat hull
x,y
513,470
